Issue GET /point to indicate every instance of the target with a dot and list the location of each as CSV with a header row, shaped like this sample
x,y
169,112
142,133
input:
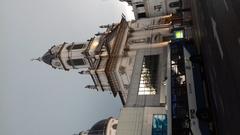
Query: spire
x,y
37,59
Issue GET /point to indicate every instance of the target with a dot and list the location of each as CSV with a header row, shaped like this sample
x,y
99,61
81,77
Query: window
x,y
166,38
174,4
157,38
55,49
158,7
76,62
58,64
164,20
148,78
140,5
159,124
141,15
77,46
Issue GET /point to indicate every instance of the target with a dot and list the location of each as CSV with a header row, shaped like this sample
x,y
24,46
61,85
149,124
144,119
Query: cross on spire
x,y
37,59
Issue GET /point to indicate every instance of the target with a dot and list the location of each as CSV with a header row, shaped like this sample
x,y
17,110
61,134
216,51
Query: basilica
x,y
109,57
147,63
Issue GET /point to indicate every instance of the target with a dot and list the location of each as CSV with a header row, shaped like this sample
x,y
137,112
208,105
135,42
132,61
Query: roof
x,y
47,57
99,128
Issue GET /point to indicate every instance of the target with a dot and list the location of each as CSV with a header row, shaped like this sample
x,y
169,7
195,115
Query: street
x,y
217,32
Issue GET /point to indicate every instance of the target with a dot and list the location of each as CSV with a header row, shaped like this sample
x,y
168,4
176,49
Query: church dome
x,y
103,127
99,128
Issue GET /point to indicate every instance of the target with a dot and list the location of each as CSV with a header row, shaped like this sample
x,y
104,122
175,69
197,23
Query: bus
x,y
189,107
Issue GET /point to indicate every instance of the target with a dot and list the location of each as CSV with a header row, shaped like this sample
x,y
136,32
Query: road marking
x,y
225,4
216,103
217,37
221,103
214,72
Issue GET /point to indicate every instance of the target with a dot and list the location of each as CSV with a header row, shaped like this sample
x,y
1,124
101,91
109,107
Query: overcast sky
x,y
34,98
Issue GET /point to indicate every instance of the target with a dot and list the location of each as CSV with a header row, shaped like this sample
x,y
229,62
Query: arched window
x,y
76,62
140,5
160,38
57,64
174,4
142,15
157,38
77,46
158,7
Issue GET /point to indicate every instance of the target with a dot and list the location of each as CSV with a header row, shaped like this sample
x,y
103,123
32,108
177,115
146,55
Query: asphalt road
x,y
217,27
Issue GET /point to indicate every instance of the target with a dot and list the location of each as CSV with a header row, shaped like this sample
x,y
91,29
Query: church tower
x,y
110,57
67,56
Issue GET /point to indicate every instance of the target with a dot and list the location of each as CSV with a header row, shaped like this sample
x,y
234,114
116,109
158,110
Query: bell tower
x,y
103,57
66,56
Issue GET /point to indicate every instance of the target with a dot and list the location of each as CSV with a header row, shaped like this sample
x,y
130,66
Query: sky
x,y
34,98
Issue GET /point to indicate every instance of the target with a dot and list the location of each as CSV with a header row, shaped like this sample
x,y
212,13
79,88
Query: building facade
x,y
153,8
143,121
147,62
109,57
